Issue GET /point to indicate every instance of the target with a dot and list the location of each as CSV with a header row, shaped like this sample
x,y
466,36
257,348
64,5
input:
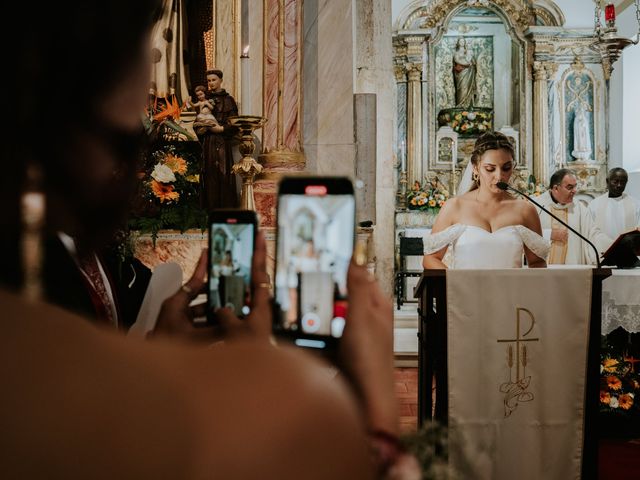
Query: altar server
x,y
616,212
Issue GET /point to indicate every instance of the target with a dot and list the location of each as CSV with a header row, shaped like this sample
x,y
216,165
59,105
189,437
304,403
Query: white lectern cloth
x,y
516,408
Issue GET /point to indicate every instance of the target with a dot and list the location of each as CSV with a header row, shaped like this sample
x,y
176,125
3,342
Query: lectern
x,y
431,292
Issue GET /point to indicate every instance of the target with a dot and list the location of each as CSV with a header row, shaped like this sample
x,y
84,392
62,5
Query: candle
x,y
245,80
610,14
403,157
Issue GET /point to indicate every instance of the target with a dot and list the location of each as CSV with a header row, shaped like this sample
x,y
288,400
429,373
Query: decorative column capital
x,y
414,72
539,71
400,73
551,68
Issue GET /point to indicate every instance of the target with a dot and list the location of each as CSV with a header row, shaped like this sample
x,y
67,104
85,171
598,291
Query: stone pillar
x,y
414,123
401,142
540,123
282,105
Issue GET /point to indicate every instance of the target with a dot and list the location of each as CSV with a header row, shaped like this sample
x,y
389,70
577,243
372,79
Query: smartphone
x,y
314,243
232,235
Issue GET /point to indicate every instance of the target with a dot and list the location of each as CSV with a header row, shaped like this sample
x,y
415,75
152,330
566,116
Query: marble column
x,y
227,44
540,123
414,123
401,142
281,101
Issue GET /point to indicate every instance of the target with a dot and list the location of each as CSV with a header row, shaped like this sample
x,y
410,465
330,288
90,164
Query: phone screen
x,y
314,248
231,244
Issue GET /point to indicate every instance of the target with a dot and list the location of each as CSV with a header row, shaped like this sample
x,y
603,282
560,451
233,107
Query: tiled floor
x,y
407,392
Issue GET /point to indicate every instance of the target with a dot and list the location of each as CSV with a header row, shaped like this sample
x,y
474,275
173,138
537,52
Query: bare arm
x,y
531,220
444,219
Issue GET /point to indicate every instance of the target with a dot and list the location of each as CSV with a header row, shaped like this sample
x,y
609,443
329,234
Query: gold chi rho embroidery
x,y
515,390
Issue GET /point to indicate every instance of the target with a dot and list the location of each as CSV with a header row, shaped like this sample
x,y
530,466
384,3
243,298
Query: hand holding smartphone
x,y
315,239
232,236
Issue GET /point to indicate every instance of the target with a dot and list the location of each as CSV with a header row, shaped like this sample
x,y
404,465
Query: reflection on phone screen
x,y
315,243
231,250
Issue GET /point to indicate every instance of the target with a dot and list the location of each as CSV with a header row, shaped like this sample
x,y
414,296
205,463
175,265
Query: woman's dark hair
x,y
61,72
489,141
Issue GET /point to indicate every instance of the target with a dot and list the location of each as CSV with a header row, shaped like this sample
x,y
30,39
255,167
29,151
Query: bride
x,y
486,227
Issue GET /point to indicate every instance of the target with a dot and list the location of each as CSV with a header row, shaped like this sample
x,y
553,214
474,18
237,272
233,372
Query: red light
x,y
232,220
317,190
610,13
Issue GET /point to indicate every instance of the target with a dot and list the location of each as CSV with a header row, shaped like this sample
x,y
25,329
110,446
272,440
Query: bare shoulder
x,y
530,217
448,214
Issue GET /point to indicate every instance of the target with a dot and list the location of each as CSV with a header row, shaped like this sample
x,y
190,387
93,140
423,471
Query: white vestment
x,y
614,216
579,218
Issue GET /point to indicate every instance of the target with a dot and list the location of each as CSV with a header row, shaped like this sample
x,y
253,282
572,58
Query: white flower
x,y
471,116
163,174
613,403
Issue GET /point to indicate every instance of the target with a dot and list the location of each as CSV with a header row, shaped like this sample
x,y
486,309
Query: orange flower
x,y
610,365
164,192
613,382
171,110
605,397
625,401
176,164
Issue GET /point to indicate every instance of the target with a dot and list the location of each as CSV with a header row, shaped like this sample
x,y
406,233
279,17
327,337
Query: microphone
x,y
505,186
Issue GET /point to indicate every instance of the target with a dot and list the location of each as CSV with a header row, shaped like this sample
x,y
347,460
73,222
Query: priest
x,y
566,247
616,212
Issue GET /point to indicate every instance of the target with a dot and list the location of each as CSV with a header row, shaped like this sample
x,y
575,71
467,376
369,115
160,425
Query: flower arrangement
x,y
162,120
619,384
169,194
535,189
470,121
428,197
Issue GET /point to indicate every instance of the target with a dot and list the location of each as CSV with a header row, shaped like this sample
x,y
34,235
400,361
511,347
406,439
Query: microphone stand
x,y
505,186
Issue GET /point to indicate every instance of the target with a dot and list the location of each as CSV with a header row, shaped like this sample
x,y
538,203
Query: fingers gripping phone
x,y
232,236
315,239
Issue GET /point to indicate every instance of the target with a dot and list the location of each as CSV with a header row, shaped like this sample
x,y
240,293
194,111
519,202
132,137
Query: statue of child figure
x,y
204,107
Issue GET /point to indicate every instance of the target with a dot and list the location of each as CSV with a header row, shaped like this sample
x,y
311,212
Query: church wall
x,y
328,88
577,13
624,120
374,74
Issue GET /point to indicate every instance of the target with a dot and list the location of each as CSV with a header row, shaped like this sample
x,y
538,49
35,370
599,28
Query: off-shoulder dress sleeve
x,y
437,241
534,242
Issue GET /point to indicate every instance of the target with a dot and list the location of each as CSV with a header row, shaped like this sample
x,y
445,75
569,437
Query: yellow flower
x,y
176,164
625,401
613,382
432,203
164,192
192,178
609,365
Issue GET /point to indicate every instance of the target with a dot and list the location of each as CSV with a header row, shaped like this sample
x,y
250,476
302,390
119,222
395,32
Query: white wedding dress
x,y
473,247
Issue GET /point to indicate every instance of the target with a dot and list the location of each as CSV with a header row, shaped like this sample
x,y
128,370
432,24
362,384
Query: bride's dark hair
x,y
489,141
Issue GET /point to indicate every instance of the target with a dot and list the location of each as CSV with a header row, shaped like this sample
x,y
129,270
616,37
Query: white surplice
x,y
578,217
614,216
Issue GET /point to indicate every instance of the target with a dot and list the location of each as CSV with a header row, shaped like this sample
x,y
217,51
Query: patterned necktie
x,y
88,263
